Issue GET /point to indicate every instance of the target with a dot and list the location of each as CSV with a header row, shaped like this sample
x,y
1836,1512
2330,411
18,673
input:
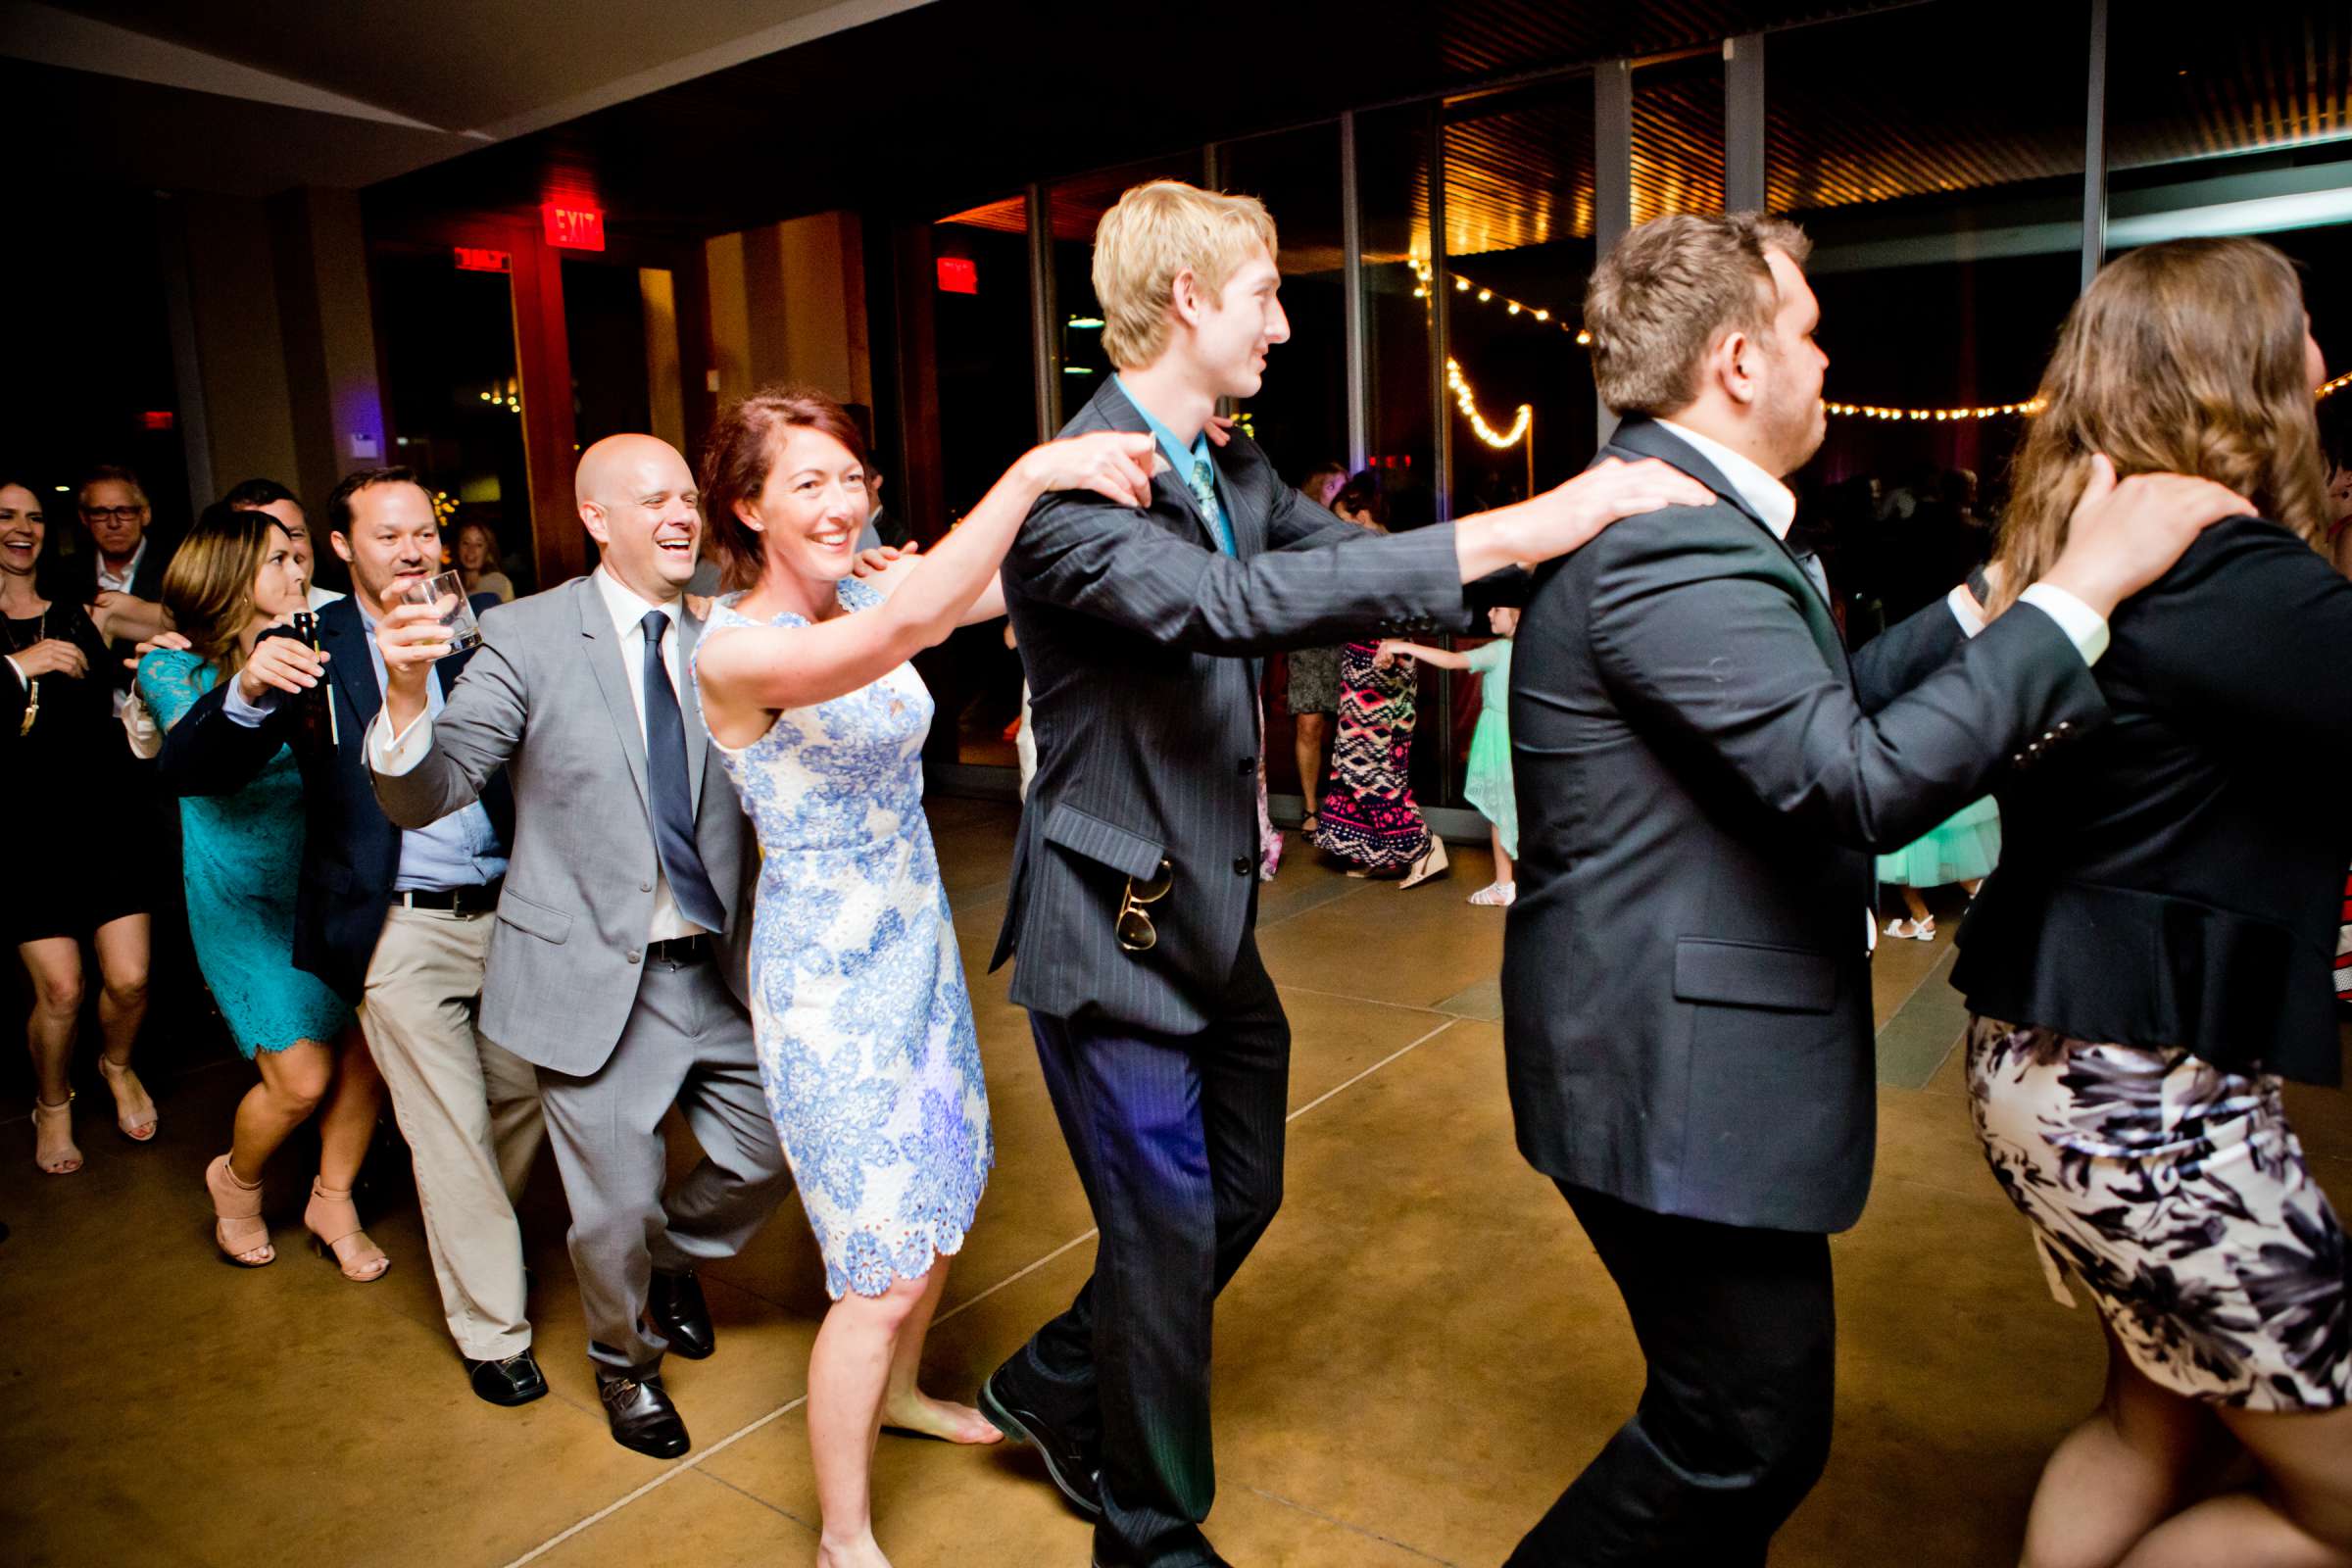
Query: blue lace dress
x,y
241,856
866,1045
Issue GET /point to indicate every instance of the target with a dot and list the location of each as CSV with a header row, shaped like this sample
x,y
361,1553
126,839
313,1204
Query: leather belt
x,y
679,951
480,899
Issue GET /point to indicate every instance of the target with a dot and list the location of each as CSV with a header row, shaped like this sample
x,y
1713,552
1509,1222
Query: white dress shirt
x,y
119,583
395,755
1776,504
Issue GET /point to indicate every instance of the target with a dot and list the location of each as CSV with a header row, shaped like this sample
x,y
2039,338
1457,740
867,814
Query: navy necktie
x,y
673,794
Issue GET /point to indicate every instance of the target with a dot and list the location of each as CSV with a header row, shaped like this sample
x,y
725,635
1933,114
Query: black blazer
x,y
1703,774
1143,644
75,581
351,851
2177,878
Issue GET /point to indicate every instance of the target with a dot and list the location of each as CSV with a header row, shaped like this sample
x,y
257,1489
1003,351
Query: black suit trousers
x,y
1178,1140
1740,1332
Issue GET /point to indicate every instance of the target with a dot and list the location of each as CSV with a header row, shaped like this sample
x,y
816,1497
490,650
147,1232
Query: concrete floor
x,y
1421,1353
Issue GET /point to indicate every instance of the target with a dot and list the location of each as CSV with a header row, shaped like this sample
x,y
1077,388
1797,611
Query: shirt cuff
x,y
2084,627
18,670
1964,610
395,755
243,711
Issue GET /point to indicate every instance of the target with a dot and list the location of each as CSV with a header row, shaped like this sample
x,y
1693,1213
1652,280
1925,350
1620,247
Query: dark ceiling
x,y
961,102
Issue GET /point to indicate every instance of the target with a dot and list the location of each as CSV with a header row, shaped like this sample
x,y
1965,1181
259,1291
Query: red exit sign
x,y
958,276
474,258
574,228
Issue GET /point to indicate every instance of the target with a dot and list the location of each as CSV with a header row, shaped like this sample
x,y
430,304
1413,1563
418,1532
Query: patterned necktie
x,y
672,796
1205,491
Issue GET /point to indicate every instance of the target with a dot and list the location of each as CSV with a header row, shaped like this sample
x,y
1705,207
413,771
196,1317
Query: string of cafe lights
x,y
1467,399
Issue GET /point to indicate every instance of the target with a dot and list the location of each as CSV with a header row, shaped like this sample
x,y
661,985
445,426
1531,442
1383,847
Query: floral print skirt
x,y
2176,1194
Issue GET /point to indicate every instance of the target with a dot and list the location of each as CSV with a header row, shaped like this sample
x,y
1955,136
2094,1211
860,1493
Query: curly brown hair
x,y
736,458
2180,358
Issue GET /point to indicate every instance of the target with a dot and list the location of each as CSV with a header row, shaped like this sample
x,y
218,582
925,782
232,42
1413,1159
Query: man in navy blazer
x,y
398,922
1703,773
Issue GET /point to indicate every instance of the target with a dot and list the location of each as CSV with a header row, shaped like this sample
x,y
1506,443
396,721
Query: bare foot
x,y
920,1415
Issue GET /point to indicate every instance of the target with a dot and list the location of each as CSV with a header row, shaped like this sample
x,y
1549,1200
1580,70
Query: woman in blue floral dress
x,y
866,1045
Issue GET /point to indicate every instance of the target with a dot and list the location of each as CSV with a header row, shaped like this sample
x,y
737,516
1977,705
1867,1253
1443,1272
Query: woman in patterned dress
x,y
2151,958
1369,816
866,1045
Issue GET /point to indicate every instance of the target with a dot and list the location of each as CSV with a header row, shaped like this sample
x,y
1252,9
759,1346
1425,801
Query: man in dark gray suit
x,y
617,964
1135,878
1703,772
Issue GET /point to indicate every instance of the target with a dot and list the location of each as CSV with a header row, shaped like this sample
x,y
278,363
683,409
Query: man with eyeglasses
x,y
121,580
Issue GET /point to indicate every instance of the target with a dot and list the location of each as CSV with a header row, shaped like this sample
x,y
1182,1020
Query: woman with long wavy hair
x,y
2152,956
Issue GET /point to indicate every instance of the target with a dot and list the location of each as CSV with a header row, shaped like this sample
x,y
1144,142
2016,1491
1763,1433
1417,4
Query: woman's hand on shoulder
x,y
1115,464
160,642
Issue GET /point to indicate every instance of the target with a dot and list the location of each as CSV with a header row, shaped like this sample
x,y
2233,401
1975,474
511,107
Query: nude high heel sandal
x,y
1432,864
52,1148
333,1221
237,1226
134,1109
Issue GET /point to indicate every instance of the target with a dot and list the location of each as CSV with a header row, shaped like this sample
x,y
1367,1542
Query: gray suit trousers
x,y
688,1043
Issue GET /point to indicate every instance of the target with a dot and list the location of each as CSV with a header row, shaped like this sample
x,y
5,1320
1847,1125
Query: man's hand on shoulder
x,y
2126,534
1568,517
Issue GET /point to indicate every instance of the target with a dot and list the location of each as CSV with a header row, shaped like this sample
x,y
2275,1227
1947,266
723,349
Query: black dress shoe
x,y
1073,1470
1115,1559
516,1380
674,1305
642,1416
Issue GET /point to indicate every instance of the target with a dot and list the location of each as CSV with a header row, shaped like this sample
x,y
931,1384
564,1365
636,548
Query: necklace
x,y
32,685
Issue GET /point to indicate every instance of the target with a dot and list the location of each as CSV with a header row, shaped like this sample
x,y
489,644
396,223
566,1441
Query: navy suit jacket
x,y
351,852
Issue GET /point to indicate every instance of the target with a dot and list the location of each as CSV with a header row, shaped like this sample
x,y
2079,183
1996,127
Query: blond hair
x,y
209,585
1152,233
2180,358
1670,289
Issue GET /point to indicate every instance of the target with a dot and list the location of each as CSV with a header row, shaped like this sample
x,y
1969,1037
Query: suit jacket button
x,y
634,956
1240,866
645,887
1249,765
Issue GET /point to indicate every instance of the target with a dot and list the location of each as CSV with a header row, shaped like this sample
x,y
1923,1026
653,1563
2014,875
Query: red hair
x,y
736,460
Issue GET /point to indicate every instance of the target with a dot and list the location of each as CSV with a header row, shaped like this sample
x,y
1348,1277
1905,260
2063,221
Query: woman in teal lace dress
x,y
231,580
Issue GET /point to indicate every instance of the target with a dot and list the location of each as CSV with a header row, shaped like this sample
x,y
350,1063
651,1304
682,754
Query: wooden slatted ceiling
x,y
1907,104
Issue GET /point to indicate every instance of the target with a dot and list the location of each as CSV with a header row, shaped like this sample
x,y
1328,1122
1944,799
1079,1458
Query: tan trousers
x,y
470,1111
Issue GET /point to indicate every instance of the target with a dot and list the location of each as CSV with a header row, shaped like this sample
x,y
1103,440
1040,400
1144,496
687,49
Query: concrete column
x,y
238,340
329,331
788,304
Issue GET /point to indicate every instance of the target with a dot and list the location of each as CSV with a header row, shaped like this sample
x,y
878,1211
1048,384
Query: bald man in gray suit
x,y
618,968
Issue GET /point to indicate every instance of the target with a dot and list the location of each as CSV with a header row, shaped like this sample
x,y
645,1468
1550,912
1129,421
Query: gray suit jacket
x,y
1702,776
1142,642
547,696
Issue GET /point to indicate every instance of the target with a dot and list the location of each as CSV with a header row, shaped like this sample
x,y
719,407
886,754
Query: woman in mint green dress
x,y
1486,780
1964,848
231,579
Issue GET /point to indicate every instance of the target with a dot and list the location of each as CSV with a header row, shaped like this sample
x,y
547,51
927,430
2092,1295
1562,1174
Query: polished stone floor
x,y
1420,1354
